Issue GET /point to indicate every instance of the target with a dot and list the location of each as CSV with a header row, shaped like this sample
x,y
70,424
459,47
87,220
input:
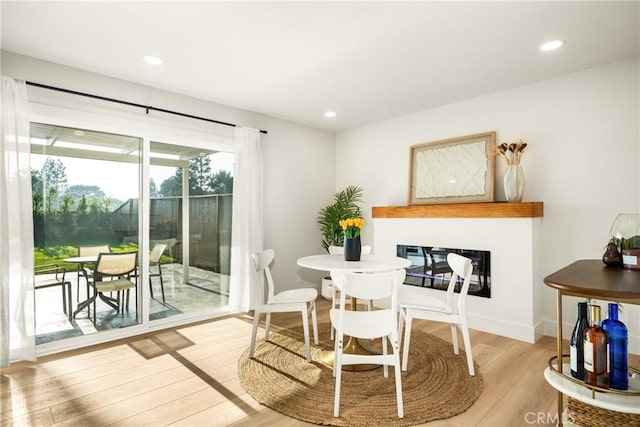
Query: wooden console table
x,y
591,279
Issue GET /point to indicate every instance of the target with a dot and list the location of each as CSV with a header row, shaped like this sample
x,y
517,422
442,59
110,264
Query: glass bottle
x,y
595,351
618,341
577,342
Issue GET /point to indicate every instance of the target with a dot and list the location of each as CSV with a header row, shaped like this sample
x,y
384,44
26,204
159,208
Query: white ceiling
x,y
367,61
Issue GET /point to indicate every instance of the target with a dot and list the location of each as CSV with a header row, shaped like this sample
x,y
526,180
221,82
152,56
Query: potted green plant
x,y
345,205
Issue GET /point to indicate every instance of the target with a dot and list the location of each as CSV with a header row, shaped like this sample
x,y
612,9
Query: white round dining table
x,y
367,263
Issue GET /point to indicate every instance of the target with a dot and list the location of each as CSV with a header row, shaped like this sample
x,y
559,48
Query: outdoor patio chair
x,y
112,274
49,275
154,261
86,269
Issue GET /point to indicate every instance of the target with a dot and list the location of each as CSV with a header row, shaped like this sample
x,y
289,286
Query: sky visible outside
x,y
119,180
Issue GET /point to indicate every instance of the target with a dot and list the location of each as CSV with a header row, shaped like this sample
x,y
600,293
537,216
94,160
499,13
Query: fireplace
x,y
429,268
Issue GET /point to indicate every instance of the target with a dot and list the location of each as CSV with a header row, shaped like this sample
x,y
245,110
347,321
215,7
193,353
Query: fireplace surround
x,y
509,231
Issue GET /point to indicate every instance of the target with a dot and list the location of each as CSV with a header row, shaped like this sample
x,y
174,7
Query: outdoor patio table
x,y
80,260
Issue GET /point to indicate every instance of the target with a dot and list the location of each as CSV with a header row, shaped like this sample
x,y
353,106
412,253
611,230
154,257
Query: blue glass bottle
x,y
618,341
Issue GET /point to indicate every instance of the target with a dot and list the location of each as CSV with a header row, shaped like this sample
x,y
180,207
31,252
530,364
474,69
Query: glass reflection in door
x,y
191,193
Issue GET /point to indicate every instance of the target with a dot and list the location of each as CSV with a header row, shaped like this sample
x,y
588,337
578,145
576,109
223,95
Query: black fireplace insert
x,y
429,268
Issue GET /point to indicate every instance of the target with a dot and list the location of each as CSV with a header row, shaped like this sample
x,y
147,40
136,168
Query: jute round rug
x,y
436,384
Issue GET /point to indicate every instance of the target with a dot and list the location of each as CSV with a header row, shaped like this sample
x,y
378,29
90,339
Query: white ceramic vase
x,y
514,183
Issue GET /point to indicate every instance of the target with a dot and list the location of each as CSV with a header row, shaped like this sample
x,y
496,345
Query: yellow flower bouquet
x,y
351,227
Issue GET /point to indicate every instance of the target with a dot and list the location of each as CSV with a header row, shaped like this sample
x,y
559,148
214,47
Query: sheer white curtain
x,y
247,205
17,309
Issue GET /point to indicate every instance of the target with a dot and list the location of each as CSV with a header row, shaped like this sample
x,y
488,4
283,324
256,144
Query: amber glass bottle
x,y
595,351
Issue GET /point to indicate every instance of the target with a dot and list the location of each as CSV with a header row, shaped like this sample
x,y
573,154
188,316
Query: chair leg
x,y
305,329
161,282
396,369
314,323
454,338
94,306
337,369
254,332
335,354
64,299
69,306
400,326
333,305
267,323
385,367
467,349
407,338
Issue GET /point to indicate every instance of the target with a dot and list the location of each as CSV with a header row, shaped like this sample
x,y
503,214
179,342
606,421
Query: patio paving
x,y
205,290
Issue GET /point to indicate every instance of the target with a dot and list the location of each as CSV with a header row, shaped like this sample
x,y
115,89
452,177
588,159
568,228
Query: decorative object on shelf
x,y
612,256
456,170
514,176
352,246
595,351
514,183
618,342
625,233
577,342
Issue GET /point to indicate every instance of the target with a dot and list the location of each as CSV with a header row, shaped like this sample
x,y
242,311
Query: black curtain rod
x,y
147,108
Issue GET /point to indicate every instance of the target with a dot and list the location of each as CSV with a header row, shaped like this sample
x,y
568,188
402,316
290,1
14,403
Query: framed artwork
x,y
457,170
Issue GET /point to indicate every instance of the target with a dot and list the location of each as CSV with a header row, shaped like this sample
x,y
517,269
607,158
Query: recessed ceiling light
x,y
551,45
153,60
330,114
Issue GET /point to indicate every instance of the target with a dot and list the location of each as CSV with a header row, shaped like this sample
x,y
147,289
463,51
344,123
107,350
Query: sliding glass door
x,y
190,225
89,196
80,178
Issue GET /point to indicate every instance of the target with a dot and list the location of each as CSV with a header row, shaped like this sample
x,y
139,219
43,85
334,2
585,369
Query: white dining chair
x,y
338,250
370,324
302,300
420,303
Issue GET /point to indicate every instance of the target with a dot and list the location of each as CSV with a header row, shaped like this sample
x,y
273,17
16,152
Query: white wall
x,y
299,162
583,131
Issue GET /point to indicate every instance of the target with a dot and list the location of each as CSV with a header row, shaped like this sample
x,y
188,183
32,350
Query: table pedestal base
x,y
353,346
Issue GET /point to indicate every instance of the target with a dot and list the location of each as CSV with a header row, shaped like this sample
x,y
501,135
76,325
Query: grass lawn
x,y
55,254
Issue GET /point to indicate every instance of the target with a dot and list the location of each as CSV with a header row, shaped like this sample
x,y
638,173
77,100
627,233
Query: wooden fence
x,y
209,227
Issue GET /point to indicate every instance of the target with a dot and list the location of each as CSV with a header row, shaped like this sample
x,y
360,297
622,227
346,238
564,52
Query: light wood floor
x,y
187,376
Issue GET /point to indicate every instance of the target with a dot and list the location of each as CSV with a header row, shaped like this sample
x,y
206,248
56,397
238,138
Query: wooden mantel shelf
x,y
462,210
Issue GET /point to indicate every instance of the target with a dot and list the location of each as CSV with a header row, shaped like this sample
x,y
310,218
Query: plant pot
x,y
327,288
352,249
